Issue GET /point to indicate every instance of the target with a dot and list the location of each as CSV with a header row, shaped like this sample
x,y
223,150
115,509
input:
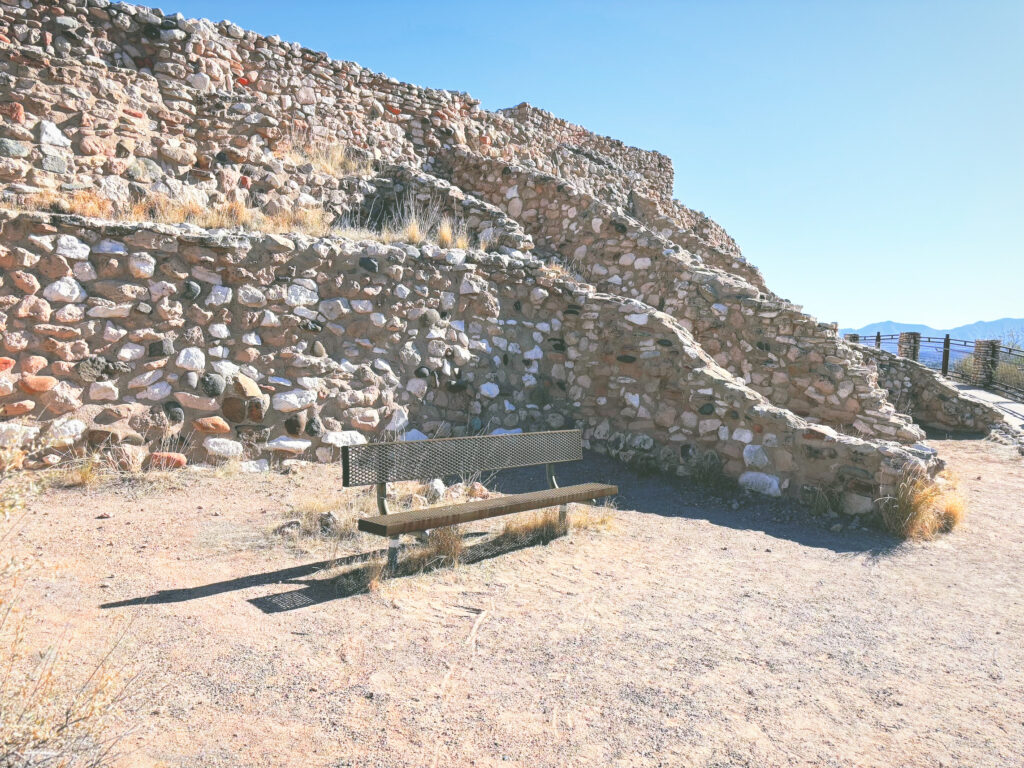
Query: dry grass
x,y
330,159
54,712
82,202
443,548
922,507
451,234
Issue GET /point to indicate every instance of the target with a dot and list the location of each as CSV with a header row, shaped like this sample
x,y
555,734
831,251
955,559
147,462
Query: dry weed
x,y
82,202
923,507
54,713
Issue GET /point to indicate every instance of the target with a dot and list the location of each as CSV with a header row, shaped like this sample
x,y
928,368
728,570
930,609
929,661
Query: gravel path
x,y
696,631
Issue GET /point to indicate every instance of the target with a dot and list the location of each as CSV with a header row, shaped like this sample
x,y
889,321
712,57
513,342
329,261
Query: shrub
x,y
922,507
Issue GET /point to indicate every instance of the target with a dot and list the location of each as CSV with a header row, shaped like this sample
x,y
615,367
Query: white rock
x,y
252,467
159,391
399,419
145,379
103,390
66,290
362,306
416,387
342,438
130,352
191,359
141,265
743,435
49,133
117,310
220,331
65,433
755,456
332,309
219,296
288,444
222,447
300,296
490,389
411,435
110,246
295,400
251,296
759,482
252,339
639,318
84,271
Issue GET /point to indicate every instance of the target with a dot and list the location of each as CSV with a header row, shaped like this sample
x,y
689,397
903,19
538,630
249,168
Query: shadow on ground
x,y
369,568
646,493
660,494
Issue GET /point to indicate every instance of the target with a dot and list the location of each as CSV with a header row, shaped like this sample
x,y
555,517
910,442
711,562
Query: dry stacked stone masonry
x,y
589,297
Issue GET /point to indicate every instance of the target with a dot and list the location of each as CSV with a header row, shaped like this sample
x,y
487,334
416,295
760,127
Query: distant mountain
x,y
983,329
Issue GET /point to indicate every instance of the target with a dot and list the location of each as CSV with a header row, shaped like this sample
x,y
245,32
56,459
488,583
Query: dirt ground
x,y
696,631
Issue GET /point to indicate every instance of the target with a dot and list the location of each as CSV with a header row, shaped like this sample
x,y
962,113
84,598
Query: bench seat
x,y
465,512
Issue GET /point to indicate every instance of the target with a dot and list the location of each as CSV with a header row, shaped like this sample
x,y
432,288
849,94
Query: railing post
x,y
909,345
986,358
878,340
945,355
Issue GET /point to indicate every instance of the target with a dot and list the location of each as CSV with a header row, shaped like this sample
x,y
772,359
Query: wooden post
x,y
945,355
878,340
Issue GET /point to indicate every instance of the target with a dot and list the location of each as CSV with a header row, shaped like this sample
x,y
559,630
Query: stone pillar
x,y
853,338
909,345
984,361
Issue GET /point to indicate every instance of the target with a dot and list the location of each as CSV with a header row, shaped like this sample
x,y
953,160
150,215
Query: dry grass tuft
x,y
584,517
922,507
320,517
443,548
538,528
82,202
330,159
86,472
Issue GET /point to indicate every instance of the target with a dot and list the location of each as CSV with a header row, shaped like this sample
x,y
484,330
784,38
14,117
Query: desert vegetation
x,y
56,709
923,507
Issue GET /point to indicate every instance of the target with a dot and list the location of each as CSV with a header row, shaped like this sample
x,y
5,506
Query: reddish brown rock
x,y
18,408
167,460
212,425
6,363
35,385
34,364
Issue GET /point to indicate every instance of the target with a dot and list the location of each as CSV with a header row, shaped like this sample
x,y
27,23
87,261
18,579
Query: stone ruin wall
x,y
916,390
128,101
161,339
785,355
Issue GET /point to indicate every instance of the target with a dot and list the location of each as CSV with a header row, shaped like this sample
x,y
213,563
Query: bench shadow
x,y
358,581
354,581
660,494
293,575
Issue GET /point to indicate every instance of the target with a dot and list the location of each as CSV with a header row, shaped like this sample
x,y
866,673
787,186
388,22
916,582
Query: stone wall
x,y
219,345
932,401
787,356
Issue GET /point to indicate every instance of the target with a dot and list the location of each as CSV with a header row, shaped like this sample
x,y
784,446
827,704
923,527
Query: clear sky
x,y
867,155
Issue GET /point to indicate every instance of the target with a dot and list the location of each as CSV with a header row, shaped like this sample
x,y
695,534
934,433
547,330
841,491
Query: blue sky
x,y
867,156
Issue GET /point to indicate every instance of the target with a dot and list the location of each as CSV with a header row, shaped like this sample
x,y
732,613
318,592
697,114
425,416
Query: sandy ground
x,y
696,631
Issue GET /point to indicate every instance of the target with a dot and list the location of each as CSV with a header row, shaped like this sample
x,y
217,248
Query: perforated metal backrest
x,y
425,459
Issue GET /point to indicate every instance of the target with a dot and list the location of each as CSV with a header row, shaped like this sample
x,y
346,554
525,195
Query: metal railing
x,y
986,363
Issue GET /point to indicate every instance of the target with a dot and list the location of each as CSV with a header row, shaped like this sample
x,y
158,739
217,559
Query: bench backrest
x,y
426,459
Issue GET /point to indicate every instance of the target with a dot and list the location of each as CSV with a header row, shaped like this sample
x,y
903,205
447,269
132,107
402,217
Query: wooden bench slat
x,y
453,514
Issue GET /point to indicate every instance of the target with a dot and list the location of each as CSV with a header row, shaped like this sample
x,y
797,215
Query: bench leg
x,y
393,547
563,517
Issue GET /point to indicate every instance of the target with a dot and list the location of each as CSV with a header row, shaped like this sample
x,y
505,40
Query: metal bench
x,y
382,463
